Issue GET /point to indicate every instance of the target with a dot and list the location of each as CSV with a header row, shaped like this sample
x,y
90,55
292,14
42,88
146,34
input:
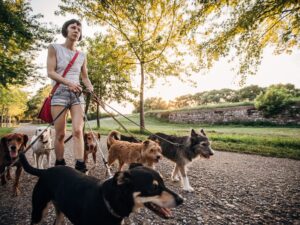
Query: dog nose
x,y
13,148
158,157
179,200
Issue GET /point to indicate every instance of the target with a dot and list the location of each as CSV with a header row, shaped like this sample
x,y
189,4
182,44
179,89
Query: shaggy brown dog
x,y
147,152
90,145
10,147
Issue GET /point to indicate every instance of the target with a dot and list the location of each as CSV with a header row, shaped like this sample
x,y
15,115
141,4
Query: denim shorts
x,y
64,97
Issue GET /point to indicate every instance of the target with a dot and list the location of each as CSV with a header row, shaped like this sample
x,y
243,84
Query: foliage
x,y
273,101
12,101
108,73
21,36
242,29
149,31
35,102
249,93
154,103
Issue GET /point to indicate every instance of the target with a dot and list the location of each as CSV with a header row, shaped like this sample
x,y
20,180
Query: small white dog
x,y
42,147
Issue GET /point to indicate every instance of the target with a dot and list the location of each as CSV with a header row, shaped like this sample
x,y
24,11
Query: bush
x,y
273,101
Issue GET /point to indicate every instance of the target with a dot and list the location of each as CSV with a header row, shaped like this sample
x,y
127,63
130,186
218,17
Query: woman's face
x,y
74,31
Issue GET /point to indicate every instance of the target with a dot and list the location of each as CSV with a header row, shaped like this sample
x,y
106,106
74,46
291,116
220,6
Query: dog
x,y
188,148
90,145
147,152
85,200
122,137
10,147
42,147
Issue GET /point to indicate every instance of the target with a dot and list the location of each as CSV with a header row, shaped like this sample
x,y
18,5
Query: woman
x,y
66,95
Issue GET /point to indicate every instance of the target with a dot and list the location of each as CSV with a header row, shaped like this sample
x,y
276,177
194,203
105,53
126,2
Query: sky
x,y
274,69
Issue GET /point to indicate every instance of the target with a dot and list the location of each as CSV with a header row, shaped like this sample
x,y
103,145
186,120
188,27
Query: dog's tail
x,y
113,135
28,168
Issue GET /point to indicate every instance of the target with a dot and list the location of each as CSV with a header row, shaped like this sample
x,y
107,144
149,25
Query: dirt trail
x,y
230,188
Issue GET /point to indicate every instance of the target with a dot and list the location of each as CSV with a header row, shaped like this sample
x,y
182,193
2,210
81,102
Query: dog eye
x,y
19,139
156,187
204,144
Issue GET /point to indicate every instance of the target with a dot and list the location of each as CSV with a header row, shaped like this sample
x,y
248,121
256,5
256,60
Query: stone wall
x,y
246,114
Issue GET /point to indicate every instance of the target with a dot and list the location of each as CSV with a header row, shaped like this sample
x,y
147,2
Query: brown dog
x,y
10,147
90,145
147,152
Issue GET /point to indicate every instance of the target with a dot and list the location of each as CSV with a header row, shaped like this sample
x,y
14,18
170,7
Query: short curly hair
x,y
64,29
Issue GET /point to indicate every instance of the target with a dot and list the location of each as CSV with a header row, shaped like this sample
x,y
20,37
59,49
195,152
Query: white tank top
x,y
63,57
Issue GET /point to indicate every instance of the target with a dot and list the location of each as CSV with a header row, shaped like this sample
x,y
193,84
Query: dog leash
x,y
100,102
33,142
96,140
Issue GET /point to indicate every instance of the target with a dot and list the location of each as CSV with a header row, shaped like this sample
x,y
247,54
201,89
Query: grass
x,y
5,130
267,141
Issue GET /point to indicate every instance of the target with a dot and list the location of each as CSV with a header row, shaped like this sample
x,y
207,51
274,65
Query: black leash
x,y
96,140
100,102
35,140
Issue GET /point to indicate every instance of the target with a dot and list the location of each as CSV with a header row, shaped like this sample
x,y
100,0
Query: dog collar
x,y
110,209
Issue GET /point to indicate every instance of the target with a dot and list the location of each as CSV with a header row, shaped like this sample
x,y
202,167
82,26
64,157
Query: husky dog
x,y
183,151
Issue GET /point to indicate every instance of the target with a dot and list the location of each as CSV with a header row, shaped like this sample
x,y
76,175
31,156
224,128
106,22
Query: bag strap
x,y
65,72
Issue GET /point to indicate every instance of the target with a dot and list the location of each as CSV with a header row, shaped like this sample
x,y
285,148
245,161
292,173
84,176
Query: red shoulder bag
x,y
45,112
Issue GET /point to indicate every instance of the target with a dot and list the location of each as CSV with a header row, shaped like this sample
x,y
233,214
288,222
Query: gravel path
x,y
230,188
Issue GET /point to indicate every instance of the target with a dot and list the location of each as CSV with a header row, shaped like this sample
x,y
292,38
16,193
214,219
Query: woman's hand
x,y
90,88
76,88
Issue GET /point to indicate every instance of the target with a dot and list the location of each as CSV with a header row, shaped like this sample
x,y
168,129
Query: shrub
x,y
273,101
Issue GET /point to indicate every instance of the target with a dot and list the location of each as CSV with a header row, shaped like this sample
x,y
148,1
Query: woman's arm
x,y
51,66
84,76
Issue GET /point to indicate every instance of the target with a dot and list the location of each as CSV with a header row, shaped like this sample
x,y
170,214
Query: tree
x,y
153,103
149,30
273,101
21,35
249,93
243,29
35,103
108,73
12,103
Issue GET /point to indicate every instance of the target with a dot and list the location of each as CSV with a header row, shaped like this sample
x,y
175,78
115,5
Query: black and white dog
x,y
188,148
85,200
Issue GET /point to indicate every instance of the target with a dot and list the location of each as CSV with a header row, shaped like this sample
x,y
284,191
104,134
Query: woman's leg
x,y
60,131
77,129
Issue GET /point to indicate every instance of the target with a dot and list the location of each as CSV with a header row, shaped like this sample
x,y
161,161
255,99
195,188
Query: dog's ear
x,y
202,132
84,137
133,165
99,136
193,133
3,143
25,139
146,143
122,177
156,140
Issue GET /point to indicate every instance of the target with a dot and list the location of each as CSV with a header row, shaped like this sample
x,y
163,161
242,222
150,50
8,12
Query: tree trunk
x,y
142,117
98,116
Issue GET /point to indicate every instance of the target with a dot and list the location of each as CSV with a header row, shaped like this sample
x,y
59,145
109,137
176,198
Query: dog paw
x,y
188,189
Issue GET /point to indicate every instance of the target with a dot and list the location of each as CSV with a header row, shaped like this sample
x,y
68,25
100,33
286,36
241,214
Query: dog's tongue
x,y
167,212
13,154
